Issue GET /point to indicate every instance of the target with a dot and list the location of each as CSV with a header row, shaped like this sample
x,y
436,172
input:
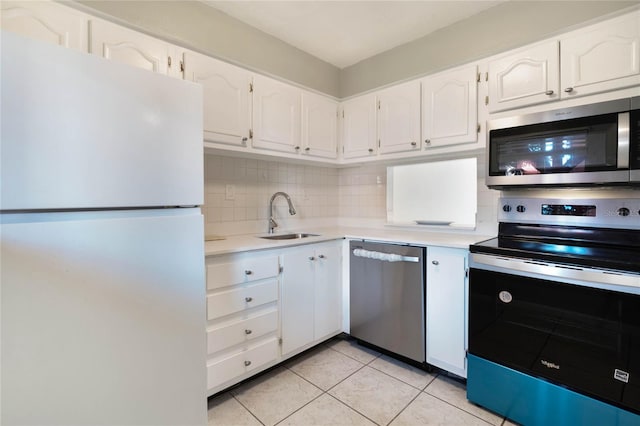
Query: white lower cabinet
x,y
311,298
242,316
446,310
259,314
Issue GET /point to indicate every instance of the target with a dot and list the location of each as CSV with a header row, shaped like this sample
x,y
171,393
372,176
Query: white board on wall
x,y
438,193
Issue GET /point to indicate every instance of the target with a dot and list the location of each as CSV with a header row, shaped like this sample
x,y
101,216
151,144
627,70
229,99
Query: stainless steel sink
x,y
288,236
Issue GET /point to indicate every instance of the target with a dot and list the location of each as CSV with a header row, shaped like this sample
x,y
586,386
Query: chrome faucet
x,y
272,223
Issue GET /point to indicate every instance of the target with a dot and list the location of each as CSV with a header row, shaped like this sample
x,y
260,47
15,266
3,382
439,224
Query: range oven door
x,y
582,338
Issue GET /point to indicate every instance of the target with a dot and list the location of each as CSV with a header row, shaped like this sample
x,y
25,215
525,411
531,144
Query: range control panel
x,y
611,212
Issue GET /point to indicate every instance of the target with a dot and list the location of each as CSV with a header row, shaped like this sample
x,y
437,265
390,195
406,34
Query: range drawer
x,y
223,370
239,299
244,330
241,271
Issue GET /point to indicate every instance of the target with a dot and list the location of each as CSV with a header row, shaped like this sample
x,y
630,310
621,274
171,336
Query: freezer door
x,y
103,318
79,131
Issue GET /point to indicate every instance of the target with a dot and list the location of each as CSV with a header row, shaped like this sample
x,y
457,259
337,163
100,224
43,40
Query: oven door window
x,y
570,146
583,338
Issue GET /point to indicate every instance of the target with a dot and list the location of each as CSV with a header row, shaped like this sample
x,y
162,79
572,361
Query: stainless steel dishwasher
x,y
387,297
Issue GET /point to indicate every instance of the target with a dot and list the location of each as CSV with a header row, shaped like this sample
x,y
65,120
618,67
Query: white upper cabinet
x,y
319,126
359,127
131,47
526,77
226,94
602,57
276,115
46,21
450,107
399,118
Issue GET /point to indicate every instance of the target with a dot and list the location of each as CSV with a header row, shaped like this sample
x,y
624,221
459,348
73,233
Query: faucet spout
x,y
272,223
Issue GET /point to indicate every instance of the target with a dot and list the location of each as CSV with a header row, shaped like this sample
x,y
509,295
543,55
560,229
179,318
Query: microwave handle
x,y
623,140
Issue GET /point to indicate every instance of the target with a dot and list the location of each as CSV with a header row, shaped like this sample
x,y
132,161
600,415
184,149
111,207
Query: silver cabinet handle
x,y
322,256
427,141
435,262
413,144
244,140
312,258
248,272
569,89
549,92
297,148
248,299
307,149
247,363
370,149
247,331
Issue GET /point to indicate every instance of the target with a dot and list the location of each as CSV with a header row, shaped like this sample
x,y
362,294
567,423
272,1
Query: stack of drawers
x,y
242,316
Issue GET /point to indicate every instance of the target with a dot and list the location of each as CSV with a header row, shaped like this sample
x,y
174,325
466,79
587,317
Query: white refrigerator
x,y
101,242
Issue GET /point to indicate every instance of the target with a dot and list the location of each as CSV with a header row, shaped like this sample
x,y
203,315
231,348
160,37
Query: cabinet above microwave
x,y
597,144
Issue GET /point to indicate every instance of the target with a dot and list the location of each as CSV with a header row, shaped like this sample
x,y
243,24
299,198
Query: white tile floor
x,y
342,383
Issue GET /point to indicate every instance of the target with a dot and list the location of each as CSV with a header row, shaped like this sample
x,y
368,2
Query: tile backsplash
x,y
237,193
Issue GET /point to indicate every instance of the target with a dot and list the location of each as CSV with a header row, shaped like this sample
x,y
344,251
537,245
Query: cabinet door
x,y
447,309
276,115
328,290
319,126
450,107
46,21
602,57
359,127
296,303
130,47
226,98
527,77
399,118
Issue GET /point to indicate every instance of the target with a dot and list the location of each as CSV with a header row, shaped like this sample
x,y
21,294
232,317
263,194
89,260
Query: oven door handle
x,y
555,271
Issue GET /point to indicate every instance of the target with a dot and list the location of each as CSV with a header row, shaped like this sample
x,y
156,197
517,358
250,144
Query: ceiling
x,y
343,33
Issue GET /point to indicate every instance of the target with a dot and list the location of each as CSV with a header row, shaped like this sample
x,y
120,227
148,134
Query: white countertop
x,y
241,243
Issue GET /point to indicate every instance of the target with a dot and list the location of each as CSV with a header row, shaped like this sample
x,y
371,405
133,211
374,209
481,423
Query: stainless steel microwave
x,y
596,144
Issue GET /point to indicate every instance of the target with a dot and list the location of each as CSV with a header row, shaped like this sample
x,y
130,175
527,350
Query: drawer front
x,y
241,271
239,299
221,371
241,331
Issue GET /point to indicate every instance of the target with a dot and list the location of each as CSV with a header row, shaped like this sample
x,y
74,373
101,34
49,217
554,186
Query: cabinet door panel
x,y
603,57
523,78
359,127
276,115
297,300
328,290
399,118
319,126
226,97
130,47
46,21
450,107
446,309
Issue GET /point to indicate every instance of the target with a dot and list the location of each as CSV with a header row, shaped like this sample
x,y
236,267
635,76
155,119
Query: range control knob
x,y
506,208
521,208
623,211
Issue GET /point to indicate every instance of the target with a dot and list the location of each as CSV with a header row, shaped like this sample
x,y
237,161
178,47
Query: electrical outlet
x,y
230,192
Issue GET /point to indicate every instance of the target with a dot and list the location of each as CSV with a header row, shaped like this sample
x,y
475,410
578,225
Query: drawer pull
x,y
322,256
248,272
312,258
248,299
435,262
247,363
247,331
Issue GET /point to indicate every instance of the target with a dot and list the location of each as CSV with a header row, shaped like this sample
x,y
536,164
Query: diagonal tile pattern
x,y
342,383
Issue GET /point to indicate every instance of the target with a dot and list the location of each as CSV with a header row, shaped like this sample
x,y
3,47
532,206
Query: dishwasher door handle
x,y
386,257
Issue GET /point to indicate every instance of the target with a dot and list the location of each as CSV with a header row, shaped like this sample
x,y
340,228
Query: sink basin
x,y
288,236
